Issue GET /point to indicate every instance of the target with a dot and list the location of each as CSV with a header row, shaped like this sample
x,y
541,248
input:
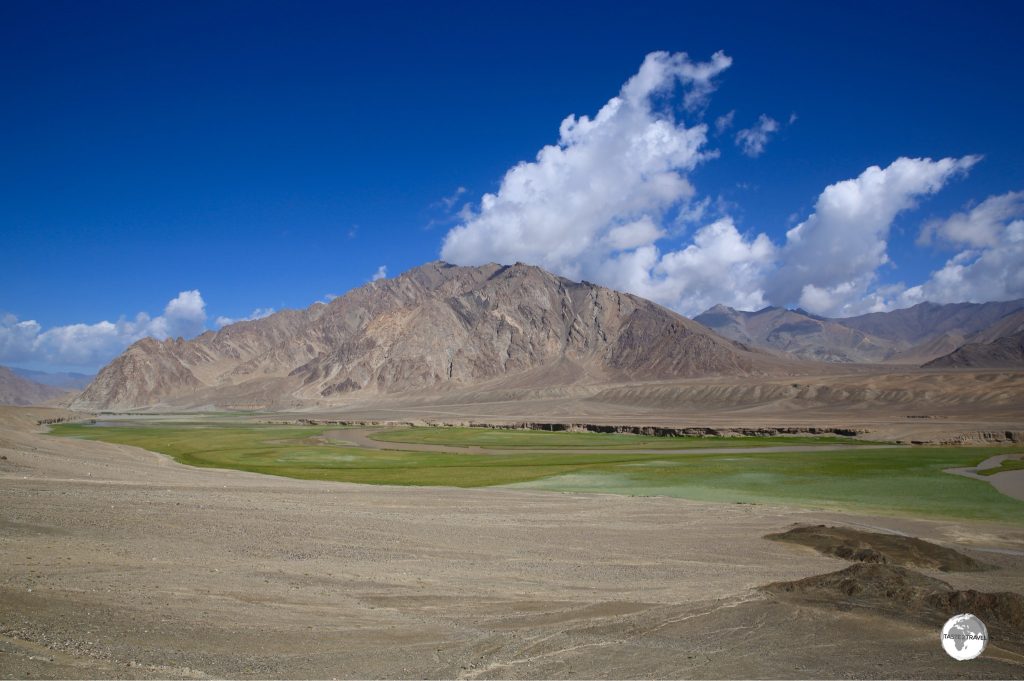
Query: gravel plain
x,y
120,563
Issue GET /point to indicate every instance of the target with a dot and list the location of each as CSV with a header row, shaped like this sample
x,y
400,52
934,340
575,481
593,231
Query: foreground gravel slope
x,y
120,563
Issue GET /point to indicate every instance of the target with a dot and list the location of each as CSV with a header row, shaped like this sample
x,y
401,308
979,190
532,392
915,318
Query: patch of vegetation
x,y
543,439
1004,466
907,480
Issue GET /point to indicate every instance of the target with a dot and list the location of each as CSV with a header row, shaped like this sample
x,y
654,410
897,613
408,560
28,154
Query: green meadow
x,y
904,481
1005,465
541,439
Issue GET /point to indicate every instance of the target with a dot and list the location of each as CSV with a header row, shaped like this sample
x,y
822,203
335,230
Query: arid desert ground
x,y
121,563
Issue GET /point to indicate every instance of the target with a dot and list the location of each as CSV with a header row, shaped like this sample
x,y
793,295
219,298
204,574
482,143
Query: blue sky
x,y
266,155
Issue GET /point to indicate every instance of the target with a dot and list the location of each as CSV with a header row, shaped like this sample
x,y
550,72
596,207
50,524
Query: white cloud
x,y
724,122
752,140
982,226
633,235
601,203
92,345
258,313
830,260
721,265
449,201
185,315
989,267
600,193
381,273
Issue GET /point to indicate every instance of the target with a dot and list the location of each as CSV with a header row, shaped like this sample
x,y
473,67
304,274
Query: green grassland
x,y
904,481
1005,465
541,439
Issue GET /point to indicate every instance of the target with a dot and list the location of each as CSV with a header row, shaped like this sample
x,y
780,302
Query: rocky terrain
x,y
436,327
15,389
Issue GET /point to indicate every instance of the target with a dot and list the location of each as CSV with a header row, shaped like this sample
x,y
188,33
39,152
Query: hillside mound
x,y
875,547
904,594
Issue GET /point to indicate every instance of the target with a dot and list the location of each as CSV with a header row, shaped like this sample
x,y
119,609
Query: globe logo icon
x,y
964,637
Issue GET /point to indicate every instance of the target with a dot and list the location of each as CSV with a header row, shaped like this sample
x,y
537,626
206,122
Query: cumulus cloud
x,y
89,346
830,260
982,226
721,265
381,273
607,201
990,237
601,193
752,140
258,313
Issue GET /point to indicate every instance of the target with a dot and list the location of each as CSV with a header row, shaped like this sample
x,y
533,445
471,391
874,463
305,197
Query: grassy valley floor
x,y
815,472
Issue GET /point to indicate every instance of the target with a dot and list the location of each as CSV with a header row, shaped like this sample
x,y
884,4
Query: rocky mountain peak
x,y
437,326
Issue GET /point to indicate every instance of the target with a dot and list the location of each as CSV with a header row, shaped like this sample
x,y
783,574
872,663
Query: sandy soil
x,y
120,563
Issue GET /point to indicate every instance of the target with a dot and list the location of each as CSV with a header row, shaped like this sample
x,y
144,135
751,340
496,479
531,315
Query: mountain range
x,y
439,329
18,390
69,380
435,328
1000,345
914,335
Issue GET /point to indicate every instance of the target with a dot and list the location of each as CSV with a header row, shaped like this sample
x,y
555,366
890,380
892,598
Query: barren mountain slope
x,y
1003,353
437,326
910,336
21,391
797,333
62,379
1009,325
927,321
997,346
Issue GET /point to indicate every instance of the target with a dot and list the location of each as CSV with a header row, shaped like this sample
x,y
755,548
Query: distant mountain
x,y
17,390
437,327
926,321
1003,353
64,379
1000,346
910,336
798,333
1007,326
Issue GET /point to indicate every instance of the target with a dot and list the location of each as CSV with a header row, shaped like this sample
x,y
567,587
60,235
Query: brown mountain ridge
x,y
434,328
18,390
913,335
